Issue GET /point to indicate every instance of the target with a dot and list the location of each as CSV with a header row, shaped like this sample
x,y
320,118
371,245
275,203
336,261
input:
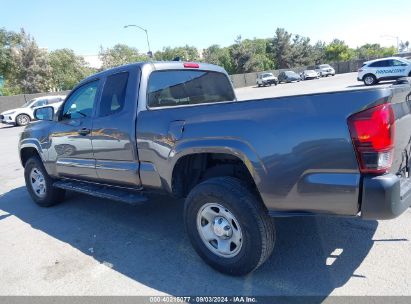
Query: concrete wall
x,y
11,102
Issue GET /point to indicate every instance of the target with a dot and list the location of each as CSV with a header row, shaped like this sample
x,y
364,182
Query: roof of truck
x,y
158,65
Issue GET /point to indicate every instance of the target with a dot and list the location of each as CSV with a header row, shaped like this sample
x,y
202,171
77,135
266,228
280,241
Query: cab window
x,y
80,103
114,94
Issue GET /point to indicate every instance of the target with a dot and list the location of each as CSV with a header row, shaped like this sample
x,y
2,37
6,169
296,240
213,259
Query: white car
x,y
264,79
389,68
325,70
23,115
309,74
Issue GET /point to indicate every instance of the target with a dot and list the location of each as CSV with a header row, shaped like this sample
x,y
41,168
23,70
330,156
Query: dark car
x,y
288,76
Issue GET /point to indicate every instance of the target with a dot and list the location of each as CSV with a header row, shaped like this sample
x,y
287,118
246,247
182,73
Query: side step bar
x,y
111,193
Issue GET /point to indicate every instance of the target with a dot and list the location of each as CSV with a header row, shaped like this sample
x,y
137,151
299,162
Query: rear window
x,y
186,87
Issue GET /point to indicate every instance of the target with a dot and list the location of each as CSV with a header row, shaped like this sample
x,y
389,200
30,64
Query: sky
x,y
86,25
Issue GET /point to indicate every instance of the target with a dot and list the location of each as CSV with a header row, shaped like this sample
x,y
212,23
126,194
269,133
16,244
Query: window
x,y
80,103
55,100
114,94
397,63
39,103
185,87
380,64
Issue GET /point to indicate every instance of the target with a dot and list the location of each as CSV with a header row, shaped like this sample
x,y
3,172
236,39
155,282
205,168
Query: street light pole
x,y
395,37
149,53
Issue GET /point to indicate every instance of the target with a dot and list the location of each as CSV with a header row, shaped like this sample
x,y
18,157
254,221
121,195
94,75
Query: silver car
x,y
325,70
309,74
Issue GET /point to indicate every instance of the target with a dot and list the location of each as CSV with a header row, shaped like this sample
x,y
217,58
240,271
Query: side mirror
x,y
44,113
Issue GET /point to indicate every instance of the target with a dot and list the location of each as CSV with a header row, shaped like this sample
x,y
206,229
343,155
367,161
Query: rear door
x,y
70,137
113,134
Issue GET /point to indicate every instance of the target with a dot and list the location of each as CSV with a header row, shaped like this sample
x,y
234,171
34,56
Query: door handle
x,y
84,131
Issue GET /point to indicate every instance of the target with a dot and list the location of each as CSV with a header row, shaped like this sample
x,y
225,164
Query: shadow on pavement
x,y
313,255
375,85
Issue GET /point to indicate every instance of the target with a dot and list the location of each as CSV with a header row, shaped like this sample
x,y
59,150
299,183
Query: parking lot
x,y
90,246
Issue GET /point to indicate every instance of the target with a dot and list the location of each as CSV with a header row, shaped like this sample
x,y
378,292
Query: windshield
x,y
309,71
290,73
267,75
324,66
28,103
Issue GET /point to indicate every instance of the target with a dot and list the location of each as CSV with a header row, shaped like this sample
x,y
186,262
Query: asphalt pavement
x,y
90,246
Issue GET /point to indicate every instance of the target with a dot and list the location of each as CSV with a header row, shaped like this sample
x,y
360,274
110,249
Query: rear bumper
x,y
385,197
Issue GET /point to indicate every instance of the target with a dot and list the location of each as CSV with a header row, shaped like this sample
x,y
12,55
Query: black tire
x,y
275,83
409,75
257,228
22,120
259,85
52,195
369,79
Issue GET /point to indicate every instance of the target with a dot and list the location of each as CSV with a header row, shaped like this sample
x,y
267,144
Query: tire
x,y
51,196
275,83
259,85
409,75
369,79
22,120
252,231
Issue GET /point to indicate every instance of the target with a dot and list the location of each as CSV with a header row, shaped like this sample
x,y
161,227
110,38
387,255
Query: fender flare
x,y
231,146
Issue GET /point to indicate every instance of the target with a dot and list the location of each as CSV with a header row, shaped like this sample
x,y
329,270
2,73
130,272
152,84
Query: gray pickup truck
x,y
177,128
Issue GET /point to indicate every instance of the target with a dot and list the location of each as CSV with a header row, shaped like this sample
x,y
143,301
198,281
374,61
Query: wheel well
x,y
371,74
409,74
26,153
192,169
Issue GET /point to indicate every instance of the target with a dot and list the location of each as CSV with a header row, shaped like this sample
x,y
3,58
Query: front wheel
x,y
228,225
22,120
40,185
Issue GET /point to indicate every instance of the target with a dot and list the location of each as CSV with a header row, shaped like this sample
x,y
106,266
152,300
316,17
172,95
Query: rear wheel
x,y
22,120
370,79
228,225
40,185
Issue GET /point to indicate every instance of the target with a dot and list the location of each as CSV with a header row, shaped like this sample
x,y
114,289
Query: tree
x,y
8,42
67,69
185,53
337,50
369,51
219,56
250,55
120,54
318,52
281,49
302,53
32,71
404,46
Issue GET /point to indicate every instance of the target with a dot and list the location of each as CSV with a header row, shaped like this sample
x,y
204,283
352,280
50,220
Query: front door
x,y
113,134
70,139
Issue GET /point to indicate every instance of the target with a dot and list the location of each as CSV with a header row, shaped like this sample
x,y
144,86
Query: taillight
x,y
191,65
372,133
